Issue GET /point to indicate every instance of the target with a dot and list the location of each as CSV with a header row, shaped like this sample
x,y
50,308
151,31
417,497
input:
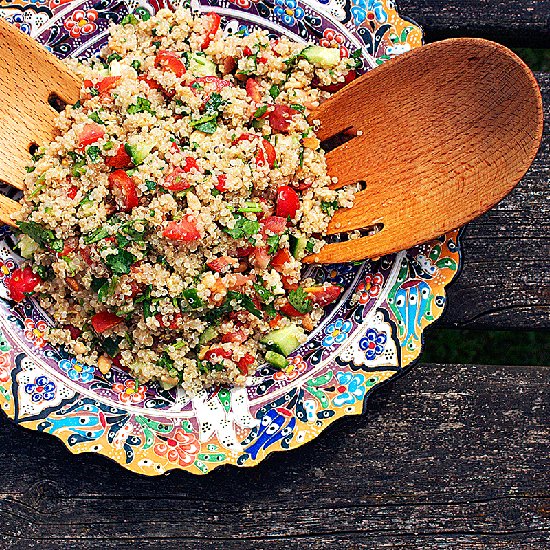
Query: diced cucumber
x,y
284,340
27,246
138,152
276,359
324,57
297,246
209,334
200,65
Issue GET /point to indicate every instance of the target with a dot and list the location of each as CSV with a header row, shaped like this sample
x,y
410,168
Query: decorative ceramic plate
x,y
370,336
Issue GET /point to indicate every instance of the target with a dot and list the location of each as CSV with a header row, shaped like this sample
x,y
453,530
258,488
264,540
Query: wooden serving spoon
x,y
444,132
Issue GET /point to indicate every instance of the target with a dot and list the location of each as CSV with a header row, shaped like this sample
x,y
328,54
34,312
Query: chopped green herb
x,y
96,235
136,64
141,105
329,207
77,105
94,153
113,57
120,262
97,283
215,192
95,117
156,43
129,19
265,294
260,111
244,301
310,246
45,272
107,289
273,243
250,207
243,227
110,345
86,200
299,301
108,146
94,92
192,298
356,56
165,361
42,236
274,91
151,185
298,107
36,191
37,156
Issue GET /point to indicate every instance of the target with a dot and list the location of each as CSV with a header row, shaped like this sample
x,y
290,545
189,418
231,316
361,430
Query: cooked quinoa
x,y
165,224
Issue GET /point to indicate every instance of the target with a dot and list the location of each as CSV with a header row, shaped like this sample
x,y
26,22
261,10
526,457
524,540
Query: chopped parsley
x,y
96,235
151,185
120,262
299,301
42,236
273,243
265,294
329,207
136,64
95,117
260,111
141,105
113,57
243,227
94,153
207,123
192,298
129,19
274,91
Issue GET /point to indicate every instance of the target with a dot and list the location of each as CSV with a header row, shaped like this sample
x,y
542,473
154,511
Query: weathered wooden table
x,y
449,456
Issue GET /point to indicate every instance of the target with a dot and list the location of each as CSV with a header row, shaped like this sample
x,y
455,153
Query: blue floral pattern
x,y
336,332
373,344
42,389
351,388
288,11
76,371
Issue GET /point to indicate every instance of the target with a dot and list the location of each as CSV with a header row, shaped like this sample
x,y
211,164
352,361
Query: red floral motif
x,y
333,38
34,332
370,287
182,448
6,268
130,391
296,367
245,4
81,22
5,367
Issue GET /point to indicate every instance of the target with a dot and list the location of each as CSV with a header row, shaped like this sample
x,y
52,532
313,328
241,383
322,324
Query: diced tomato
x,y
266,152
218,264
323,295
74,331
221,184
262,59
71,193
183,230
275,224
288,202
22,282
247,51
174,323
70,245
104,320
287,285
240,280
90,134
260,257
189,164
281,258
107,84
245,362
206,85
273,323
124,190
253,90
85,254
153,84
121,159
88,83
243,252
332,88
176,181
280,117
212,27
214,353
170,61
290,311
235,337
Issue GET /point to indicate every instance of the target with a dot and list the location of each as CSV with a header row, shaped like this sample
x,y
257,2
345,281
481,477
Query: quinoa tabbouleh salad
x,y
165,224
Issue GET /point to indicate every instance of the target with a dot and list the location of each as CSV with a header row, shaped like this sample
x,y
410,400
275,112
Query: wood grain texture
x,y
445,132
524,23
447,457
505,280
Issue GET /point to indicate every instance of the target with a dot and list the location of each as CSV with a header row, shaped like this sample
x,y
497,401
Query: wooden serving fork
x,y
443,133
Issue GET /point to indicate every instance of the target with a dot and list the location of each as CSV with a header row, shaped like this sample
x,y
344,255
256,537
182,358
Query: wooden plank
x,y
515,23
505,281
450,456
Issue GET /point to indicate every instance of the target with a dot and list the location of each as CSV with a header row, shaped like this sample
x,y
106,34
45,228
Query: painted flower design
x,y
370,10
181,448
336,332
6,267
34,332
245,4
77,371
333,38
19,21
130,391
42,389
370,287
351,388
288,11
373,344
5,367
81,22
296,367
